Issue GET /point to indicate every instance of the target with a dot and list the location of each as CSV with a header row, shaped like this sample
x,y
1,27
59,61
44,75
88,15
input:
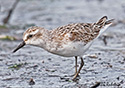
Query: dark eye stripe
x,y
30,36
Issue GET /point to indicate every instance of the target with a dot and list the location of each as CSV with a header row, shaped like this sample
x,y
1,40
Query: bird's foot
x,y
68,78
69,75
76,78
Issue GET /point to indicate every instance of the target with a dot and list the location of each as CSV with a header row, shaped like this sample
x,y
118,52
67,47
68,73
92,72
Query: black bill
x,y
20,46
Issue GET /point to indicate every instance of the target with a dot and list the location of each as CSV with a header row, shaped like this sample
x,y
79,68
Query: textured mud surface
x,y
107,65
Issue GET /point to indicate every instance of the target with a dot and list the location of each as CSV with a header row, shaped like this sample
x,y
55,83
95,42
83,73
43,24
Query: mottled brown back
x,y
84,32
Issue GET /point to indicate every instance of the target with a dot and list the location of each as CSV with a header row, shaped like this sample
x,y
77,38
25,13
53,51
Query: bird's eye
x,y
30,36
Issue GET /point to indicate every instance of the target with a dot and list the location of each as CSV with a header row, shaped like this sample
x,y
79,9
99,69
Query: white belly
x,y
72,49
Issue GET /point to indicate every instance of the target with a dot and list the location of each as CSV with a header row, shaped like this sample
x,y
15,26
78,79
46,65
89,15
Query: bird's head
x,y
32,36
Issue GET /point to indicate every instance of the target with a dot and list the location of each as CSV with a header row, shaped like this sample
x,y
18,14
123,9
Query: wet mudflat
x,y
34,67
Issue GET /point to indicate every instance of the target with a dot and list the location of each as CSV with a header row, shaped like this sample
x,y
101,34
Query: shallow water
x,y
47,69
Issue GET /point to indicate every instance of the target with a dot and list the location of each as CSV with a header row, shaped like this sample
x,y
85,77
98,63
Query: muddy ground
x,y
105,65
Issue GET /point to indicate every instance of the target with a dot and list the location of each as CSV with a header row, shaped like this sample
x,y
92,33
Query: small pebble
x,y
93,56
49,59
117,78
31,82
43,61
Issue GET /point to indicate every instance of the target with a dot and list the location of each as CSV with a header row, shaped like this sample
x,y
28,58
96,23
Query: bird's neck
x,y
46,40
49,44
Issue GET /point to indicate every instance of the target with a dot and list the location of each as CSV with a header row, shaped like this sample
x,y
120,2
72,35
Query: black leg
x,y
82,63
75,64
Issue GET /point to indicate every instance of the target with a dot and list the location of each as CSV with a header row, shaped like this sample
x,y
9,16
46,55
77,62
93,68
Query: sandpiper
x,y
71,40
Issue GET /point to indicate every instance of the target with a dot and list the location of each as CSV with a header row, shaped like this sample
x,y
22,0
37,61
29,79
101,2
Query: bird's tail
x,y
103,24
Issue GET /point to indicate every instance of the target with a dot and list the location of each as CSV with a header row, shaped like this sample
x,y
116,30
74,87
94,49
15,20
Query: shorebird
x,y
71,40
